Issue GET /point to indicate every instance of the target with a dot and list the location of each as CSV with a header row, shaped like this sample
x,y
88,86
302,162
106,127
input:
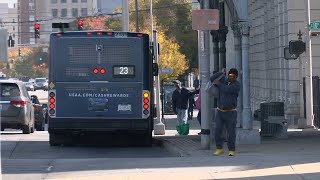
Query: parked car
x,y
17,109
29,86
41,83
39,113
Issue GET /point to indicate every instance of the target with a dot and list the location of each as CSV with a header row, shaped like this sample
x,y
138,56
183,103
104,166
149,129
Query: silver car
x,y
16,107
29,86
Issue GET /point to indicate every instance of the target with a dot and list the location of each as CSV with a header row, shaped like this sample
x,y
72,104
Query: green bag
x,y
184,129
179,129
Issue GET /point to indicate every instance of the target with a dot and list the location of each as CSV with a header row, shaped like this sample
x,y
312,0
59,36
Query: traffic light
x,y
19,52
36,30
80,25
297,47
10,42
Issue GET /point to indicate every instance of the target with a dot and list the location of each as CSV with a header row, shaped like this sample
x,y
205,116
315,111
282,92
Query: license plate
x,y
120,34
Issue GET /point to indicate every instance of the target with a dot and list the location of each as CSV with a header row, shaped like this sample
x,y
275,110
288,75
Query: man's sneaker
x,y
232,153
218,152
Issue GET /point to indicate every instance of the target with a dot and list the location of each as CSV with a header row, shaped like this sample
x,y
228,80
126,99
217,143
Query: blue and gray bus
x,y
100,81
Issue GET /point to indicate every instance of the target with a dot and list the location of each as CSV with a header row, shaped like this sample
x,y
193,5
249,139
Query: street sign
x,y
205,19
289,56
315,25
165,71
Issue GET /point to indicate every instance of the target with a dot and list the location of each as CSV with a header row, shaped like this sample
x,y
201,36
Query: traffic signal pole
x,y
309,92
204,65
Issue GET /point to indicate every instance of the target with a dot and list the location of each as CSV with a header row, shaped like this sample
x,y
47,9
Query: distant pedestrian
x,y
226,113
180,105
192,104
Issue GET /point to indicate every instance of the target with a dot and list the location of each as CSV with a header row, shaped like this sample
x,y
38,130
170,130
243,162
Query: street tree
x,y
23,67
175,17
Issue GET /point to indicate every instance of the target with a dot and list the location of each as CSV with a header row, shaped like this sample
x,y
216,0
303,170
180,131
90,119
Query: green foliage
x,y
175,19
23,67
35,56
113,24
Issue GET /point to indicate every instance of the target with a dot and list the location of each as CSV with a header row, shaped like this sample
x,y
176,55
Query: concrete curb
x,y
170,147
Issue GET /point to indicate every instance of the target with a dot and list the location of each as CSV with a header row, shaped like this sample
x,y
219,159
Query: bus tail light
x,y
145,104
52,103
95,71
102,71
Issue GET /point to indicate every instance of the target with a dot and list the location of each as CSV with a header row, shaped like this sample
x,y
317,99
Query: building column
x,y
223,31
238,65
247,114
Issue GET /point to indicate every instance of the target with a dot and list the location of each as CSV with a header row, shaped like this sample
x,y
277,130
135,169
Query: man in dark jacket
x,y
180,104
226,111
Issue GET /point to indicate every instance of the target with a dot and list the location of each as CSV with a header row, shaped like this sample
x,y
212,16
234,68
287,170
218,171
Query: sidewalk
x,y
295,158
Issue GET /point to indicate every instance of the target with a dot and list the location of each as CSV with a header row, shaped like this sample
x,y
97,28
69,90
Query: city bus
x,y
100,81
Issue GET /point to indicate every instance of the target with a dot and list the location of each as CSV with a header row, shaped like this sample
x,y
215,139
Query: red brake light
x,y
139,35
59,35
95,71
18,103
109,33
99,33
89,33
102,71
52,100
52,106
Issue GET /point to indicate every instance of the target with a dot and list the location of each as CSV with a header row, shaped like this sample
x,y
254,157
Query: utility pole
x,y
309,93
125,15
137,16
204,63
159,128
301,118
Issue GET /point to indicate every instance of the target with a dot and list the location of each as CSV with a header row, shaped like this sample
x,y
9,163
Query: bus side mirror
x,y
155,68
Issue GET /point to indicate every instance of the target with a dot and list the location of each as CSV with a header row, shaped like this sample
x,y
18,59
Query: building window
x,y
64,12
13,28
84,12
54,1
63,1
83,1
74,1
13,20
54,12
74,12
14,35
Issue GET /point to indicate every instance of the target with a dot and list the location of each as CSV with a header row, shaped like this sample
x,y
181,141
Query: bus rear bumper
x,y
65,125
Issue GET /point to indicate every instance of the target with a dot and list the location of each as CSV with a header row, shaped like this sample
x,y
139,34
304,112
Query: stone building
x,y
271,24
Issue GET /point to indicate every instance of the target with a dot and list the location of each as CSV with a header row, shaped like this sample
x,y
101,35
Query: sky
x,y
10,2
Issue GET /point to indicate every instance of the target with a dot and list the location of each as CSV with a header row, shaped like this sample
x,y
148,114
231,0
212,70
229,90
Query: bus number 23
x,y
124,70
